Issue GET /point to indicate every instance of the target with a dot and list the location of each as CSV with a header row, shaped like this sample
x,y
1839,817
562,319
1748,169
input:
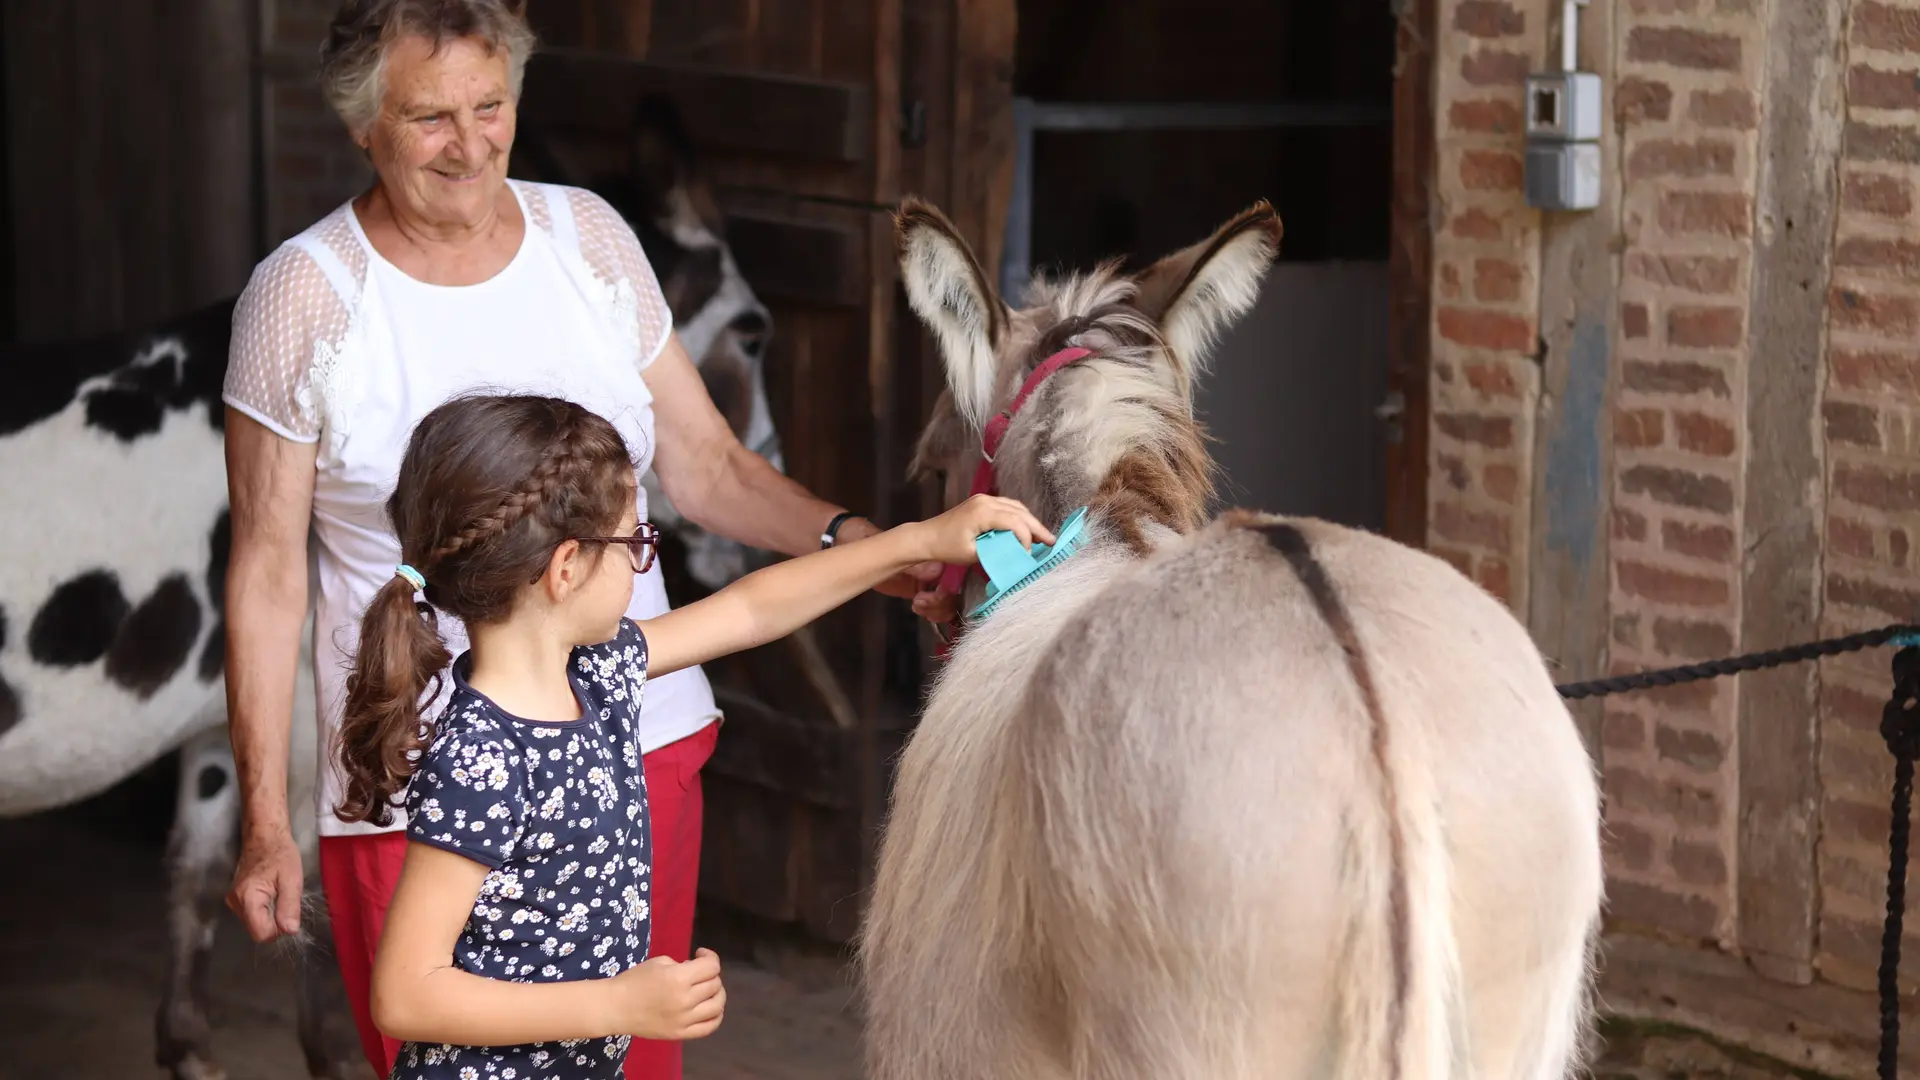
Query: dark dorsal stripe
x,y
1292,545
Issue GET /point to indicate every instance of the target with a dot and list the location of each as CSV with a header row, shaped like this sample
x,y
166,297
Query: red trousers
x,y
359,874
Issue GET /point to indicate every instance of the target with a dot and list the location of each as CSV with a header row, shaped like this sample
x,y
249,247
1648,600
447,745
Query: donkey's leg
x,y
1479,728
325,1027
328,1039
958,995
199,862
1185,953
1526,967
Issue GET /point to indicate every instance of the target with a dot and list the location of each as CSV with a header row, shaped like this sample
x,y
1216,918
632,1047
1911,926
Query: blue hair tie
x,y
412,575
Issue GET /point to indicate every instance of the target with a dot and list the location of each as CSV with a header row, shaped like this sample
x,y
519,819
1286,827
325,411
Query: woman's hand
x,y
910,583
949,538
936,605
670,1001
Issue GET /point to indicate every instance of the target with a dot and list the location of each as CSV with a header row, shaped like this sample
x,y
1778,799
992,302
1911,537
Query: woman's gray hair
x,y
353,59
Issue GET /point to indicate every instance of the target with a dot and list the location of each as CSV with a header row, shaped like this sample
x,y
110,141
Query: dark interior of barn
x,y
138,185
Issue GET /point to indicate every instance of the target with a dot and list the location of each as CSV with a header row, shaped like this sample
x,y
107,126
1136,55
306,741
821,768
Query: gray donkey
x,y
1210,800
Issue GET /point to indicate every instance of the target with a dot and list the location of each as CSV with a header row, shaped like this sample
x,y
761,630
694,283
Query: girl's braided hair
x,y
489,487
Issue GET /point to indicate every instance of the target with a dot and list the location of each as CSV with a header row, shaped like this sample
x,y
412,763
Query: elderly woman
x,y
446,277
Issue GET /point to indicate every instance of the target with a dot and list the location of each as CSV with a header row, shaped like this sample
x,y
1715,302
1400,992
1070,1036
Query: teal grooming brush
x,y
1011,567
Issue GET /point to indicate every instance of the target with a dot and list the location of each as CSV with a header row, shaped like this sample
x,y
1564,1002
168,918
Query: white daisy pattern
x,y
558,814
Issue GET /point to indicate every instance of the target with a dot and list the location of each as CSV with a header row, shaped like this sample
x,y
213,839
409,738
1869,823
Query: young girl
x,y
515,943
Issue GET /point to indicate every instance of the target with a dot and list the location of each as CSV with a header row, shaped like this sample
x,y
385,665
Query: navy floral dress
x,y
558,813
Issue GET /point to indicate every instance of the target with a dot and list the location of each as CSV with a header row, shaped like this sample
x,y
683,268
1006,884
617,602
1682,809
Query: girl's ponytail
x,y
489,487
382,734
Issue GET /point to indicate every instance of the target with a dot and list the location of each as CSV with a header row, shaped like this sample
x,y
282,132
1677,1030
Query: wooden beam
x,y
982,158
776,752
805,261
1781,525
815,119
749,859
1821,1027
1410,266
1568,580
882,284
220,153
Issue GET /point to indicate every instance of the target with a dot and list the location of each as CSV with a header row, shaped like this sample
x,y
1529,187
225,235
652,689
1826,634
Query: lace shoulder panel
x,y
291,310
612,251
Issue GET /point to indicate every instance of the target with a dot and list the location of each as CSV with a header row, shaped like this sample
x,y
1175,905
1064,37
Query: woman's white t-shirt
x,y
334,344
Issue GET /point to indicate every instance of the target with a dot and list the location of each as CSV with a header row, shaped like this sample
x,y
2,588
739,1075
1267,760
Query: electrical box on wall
x,y
1564,125
1563,105
1563,176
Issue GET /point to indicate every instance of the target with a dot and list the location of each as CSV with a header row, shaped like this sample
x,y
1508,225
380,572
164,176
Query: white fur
x,y
1139,832
941,289
1222,290
712,559
1146,828
145,511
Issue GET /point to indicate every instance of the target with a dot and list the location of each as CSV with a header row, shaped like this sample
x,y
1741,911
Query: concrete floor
x,y
82,958
82,963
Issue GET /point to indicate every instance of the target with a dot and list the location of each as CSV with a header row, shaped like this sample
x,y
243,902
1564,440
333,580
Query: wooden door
x,y
129,175
812,118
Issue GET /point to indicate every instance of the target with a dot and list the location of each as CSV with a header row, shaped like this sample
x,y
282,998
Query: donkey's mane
x,y
1123,428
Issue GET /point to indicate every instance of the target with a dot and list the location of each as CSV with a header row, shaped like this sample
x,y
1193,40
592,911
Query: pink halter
x,y
984,482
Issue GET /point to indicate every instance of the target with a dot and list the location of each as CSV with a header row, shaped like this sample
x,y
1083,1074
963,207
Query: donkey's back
x,y
1282,800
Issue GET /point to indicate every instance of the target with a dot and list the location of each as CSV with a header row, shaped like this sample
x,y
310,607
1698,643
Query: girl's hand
x,y
949,537
665,1000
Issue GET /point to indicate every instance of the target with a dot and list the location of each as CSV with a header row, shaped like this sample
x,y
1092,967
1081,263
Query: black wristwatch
x,y
831,534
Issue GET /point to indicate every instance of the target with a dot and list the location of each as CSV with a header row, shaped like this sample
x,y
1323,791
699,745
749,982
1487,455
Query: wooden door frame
x,y
1410,268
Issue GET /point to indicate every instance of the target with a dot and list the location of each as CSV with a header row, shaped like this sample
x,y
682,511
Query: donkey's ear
x,y
1196,293
952,295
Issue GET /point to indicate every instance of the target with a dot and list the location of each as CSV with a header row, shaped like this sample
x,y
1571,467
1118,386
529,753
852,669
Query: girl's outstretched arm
x,y
773,602
419,995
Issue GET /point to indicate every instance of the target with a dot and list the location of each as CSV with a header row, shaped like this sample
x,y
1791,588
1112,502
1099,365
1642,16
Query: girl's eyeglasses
x,y
640,546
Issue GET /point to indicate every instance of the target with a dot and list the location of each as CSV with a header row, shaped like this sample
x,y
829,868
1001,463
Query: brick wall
x,y
1685,111
1873,454
1688,84
1487,297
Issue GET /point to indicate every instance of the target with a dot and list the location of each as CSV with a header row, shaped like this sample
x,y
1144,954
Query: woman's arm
x,y
270,492
419,995
775,601
712,478
725,488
